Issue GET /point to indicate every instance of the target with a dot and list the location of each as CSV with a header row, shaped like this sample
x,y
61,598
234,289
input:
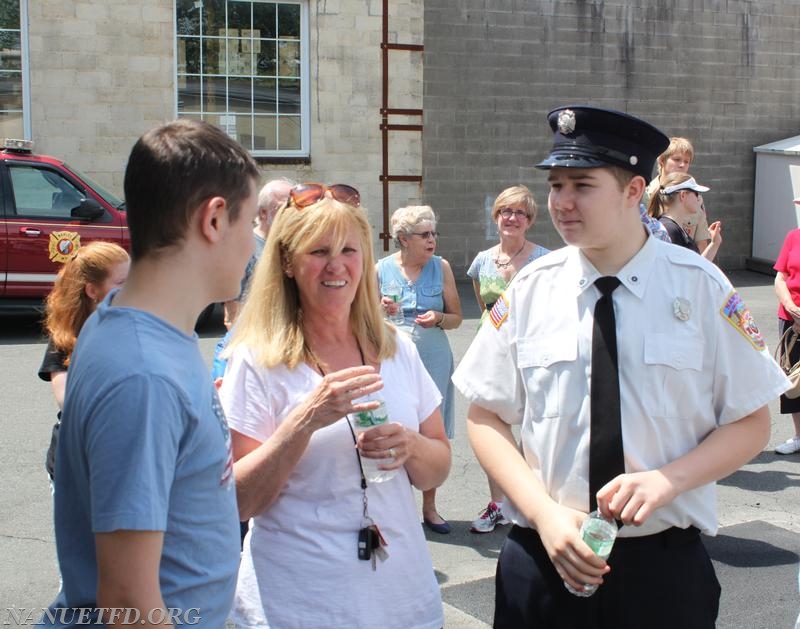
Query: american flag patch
x,y
499,312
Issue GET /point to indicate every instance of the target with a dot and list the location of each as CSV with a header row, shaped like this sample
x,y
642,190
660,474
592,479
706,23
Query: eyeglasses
x,y
426,235
507,212
305,194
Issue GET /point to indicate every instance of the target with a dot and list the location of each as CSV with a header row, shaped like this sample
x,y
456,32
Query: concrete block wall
x,y
724,73
103,71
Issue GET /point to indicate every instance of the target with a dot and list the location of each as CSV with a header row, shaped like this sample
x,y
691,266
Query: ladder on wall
x,y
387,127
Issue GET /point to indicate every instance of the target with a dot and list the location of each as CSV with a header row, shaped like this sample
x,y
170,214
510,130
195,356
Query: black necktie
x,y
606,459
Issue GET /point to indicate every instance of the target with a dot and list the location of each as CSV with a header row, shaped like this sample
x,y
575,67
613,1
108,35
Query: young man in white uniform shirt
x,y
694,381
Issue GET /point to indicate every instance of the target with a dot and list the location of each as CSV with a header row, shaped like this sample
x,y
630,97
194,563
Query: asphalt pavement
x,y
756,552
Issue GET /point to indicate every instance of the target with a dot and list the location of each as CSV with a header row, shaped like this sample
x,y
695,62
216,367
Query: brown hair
x,y
68,306
516,196
660,202
174,168
676,145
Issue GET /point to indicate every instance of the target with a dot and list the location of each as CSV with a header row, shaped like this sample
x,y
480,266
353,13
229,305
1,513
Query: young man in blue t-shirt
x,y
145,505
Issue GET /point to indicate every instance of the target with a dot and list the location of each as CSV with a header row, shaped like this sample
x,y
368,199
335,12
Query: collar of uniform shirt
x,y
634,275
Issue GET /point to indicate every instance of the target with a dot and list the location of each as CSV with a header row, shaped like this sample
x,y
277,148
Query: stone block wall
x,y
724,73
102,72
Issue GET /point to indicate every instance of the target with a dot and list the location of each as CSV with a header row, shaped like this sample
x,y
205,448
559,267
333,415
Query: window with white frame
x,y
13,59
243,66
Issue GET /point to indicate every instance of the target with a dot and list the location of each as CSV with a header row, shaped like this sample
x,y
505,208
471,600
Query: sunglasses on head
x,y
305,194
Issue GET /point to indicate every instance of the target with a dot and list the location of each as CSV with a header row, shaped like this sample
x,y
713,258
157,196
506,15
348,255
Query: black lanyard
x,y
352,432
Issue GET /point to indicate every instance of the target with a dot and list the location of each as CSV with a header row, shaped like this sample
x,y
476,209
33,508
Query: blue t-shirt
x,y
144,446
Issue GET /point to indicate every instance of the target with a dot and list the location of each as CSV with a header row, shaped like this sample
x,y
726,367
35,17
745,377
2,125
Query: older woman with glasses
x,y
310,347
424,288
514,212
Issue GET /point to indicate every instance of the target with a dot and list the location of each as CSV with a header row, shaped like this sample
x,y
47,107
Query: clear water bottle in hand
x,y
394,292
366,420
599,533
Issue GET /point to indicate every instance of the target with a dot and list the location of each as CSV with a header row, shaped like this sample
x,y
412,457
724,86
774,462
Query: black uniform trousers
x,y
659,581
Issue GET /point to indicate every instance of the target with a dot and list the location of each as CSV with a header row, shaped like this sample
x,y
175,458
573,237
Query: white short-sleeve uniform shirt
x,y
691,359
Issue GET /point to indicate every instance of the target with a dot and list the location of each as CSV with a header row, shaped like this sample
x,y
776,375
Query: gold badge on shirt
x,y
738,315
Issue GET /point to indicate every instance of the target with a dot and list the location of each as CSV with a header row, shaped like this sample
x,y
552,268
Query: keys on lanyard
x,y
371,545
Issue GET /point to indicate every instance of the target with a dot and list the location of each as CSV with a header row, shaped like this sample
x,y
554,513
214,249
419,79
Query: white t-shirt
x,y
300,566
690,358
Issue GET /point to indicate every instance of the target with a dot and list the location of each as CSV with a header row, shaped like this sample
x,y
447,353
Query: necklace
x,y
507,263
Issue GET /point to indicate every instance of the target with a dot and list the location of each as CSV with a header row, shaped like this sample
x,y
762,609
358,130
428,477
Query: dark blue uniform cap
x,y
590,137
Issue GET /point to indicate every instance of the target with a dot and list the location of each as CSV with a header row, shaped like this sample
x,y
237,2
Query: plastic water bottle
x,y
599,534
363,421
397,318
395,293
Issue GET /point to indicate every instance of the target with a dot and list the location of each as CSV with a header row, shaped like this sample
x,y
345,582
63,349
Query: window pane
x,y
189,56
289,58
40,192
214,94
213,61
10,90
265,58
288,96
289,21
289,133
244,131
264,18
239,15
240,57
189,94
187,17
265,136
10,55
264,100
240,95
9,14
213,16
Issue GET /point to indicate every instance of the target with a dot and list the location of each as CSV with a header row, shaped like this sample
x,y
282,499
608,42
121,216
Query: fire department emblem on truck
x,y
64,245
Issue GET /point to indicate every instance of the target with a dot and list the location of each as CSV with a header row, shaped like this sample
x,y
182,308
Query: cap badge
x,y
566,122
681,308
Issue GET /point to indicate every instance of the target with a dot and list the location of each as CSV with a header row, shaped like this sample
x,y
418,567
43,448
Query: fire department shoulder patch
x,y
738,315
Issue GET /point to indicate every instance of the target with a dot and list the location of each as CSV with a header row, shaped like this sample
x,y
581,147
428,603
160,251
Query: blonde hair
x,y
271,320
404,219
660,202
68,306
516,196
676,145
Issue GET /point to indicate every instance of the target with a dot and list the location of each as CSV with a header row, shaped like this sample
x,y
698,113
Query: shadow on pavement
x,y
767,480
485,544
756,564
755,545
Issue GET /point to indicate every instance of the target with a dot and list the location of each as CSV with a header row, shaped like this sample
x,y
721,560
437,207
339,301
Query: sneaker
x,y
789,446
489,518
